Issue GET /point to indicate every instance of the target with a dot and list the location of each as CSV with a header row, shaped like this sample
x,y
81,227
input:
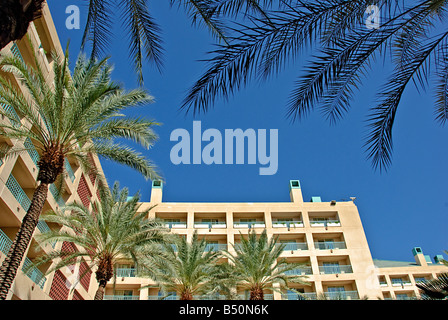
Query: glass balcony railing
x,y
125,272
302,296
325,223
299,271
216,247
18,193
161,297
120,297
328,245
209,225
335,269
293,246
249,225
342,295
287,224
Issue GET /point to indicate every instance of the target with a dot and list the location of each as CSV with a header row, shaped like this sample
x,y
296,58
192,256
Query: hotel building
x,y
327,237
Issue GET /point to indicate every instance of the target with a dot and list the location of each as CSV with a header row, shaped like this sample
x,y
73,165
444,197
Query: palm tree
x,y
16,17
435,289
413,33
190,268
111,229
144,33
70,117
257,266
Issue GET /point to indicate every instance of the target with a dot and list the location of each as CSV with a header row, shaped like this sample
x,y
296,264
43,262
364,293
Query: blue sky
x,y
400,209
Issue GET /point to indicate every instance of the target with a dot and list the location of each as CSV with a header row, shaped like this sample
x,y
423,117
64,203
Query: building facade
x,y
326,237
18,175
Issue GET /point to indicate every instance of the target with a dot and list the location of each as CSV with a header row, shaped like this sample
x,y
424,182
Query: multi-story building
x,y
326,237
18,175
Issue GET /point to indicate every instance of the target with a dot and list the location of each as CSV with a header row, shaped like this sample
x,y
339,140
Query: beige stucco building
x,y
327,237
18,175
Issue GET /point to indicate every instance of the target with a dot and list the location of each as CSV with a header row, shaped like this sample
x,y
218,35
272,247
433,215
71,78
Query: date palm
x,y
435,289
190,268
16,16
413,34
74,116
113,228
257,266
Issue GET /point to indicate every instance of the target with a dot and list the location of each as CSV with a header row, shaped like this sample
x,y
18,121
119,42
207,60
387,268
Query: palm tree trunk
x,y
16,16
186,295
256,293
18,248
99,294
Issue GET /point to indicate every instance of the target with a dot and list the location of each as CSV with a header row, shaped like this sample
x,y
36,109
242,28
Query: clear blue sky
x,y
400,209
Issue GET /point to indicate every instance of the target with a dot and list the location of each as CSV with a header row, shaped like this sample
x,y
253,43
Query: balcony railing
x,y
299,271
16,52
119,297
30,270
342,295
159,297
125,272
287,224
330,245
69,170
176,225
56,195
293,246
18,193
209,225
336,269
34,273
325,223
31,149
216,247
249,225
11,114
302,296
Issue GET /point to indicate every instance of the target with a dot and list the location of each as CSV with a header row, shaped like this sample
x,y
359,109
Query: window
x,y
326,244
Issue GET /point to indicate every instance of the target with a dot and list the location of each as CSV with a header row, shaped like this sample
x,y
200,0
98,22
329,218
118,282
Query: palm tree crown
x,y
256,265
111,229
189,268
413,33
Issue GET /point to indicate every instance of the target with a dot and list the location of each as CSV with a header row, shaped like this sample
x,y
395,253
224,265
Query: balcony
x,y
11,114
335,269
121,297
293,246
210,225
323,222
300,271
28,268
175,224
341,295
69,170
287,224
249,224
125,272
215,247
329,245
18,193
301,296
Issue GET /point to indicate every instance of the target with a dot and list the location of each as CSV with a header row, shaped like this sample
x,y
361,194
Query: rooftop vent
x,y
294,184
